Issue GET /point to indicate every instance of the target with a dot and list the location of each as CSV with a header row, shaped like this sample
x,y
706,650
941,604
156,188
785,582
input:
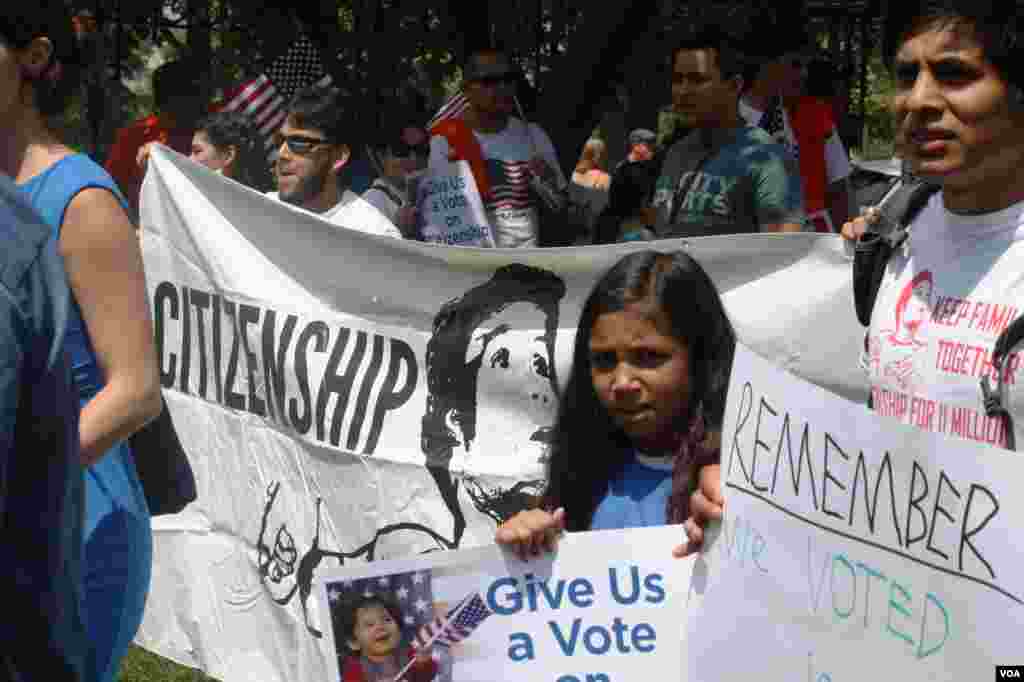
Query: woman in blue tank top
x,y
109,337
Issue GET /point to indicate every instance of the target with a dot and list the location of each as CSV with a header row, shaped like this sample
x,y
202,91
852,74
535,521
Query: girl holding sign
x,y
651,360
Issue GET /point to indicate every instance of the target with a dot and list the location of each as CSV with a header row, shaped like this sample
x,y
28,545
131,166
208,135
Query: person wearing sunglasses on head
x,y
777,102
312,149
399,156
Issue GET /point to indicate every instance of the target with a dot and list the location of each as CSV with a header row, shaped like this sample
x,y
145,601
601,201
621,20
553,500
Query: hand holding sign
x,y
706,504
529,531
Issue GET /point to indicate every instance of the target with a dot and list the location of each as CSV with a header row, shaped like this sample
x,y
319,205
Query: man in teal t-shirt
x,y
724,177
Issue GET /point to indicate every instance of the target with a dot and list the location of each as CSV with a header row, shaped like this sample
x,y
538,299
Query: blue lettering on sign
x,y
505,598
599,640
895,612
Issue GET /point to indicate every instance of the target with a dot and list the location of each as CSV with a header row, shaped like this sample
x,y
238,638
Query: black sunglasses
x,y
299,144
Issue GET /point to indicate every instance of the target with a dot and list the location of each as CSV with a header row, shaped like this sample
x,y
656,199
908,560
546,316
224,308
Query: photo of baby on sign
x,y
391,628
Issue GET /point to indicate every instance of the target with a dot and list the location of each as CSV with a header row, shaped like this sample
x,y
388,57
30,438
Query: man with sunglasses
x,y
313,148
503,151
805,125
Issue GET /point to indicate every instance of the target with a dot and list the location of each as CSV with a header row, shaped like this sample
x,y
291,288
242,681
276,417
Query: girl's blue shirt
x,y
637,496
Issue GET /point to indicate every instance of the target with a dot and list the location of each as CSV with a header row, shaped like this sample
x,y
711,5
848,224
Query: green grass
x,y
142,666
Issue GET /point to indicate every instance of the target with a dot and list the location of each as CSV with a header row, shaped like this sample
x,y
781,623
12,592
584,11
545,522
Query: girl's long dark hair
x,y
589,449
233,129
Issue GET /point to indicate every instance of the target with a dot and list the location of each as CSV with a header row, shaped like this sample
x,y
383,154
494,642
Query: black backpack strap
x,y
995,398
886,235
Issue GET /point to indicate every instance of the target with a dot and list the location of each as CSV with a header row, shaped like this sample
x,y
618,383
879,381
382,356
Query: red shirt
x,y
121,162
420,671
812,123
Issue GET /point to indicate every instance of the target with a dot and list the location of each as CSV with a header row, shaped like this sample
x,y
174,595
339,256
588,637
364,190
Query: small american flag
x,y
265,99
457,625
455,107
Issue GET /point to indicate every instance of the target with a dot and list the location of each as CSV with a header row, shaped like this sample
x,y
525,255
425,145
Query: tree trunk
x,y
472,26
200,45
571,108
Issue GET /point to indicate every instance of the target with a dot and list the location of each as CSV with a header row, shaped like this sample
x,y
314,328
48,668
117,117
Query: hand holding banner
x,y
451,210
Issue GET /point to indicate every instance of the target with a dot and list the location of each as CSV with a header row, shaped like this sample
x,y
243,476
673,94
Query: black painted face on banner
x,y
491,379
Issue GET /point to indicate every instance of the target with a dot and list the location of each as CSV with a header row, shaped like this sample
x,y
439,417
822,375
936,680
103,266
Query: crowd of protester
x,y
652,354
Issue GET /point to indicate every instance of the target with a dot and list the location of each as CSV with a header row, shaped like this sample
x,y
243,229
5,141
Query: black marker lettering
x,y
165,294
322,333
235,401
201,302
914,503
273,361
359,416
830,444
965,535
186,341
390,399
249,315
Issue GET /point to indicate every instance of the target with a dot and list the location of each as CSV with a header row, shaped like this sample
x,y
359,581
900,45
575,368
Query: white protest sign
x,y
606,607
346,397
854,546
451,210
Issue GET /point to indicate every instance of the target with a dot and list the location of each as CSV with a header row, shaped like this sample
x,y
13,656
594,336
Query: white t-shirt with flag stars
x,y
513,208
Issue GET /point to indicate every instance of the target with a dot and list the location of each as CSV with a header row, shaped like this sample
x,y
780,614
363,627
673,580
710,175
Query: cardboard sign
x,y
855,546
451,210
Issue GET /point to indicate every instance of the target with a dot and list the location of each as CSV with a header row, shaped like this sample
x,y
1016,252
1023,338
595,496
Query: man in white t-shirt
x,y
806,127
312,149
512,150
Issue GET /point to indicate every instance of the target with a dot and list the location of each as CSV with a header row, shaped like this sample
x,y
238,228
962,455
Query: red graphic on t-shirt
x,y
909,337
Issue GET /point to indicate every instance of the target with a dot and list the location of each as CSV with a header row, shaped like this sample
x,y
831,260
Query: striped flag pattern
x,y
265,98
453,108
510,185
457,625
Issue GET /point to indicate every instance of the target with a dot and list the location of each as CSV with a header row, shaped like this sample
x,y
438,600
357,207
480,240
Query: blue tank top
x,y
50,192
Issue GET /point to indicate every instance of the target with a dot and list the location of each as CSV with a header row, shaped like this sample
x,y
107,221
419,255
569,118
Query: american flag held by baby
x,y
457,625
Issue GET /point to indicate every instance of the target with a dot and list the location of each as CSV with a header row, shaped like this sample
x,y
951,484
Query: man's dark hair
x,y
451,382
993,22
324,109
729,58
234,129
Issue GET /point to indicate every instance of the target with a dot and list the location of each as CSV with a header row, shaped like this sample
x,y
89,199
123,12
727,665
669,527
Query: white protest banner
x,y
451,210
346,397
854,546
606,607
